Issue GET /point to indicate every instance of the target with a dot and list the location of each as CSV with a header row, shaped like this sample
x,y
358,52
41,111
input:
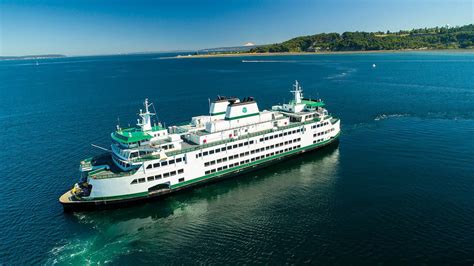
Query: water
x,y
397,189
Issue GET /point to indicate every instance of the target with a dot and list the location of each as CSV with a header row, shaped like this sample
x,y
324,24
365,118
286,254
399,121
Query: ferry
x,y
148,161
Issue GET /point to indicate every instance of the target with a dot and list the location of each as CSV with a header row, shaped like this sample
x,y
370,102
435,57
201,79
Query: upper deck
x,y
229,120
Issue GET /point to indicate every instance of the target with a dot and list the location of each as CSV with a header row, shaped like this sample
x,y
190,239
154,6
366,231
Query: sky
x,y
90,27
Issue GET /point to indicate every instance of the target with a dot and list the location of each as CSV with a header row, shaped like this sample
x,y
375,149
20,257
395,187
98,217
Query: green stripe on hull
x,y
120,197
252,163
213,175
221,113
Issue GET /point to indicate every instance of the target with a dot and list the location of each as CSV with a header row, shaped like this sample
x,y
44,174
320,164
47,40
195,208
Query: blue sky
x,y
87,27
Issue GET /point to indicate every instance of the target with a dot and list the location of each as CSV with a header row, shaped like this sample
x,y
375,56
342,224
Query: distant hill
x,y
236,49
29,57
427,38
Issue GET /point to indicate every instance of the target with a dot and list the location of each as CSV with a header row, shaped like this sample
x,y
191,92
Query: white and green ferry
x,y
148,161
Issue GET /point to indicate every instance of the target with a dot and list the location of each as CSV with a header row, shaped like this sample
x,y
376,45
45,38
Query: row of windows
x,y
126,165
318,140
243,154
320,125
250,160
141,153
324,132
157,177
165,163
229,147
281,134
167,147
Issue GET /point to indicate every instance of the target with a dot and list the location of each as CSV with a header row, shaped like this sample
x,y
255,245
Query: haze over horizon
x,y
110,27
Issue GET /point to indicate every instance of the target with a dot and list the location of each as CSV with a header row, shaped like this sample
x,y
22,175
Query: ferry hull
x,y
90,205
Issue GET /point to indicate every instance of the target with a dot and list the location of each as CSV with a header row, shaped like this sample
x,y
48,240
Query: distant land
x,y
437,38
30,57
460,37
233,49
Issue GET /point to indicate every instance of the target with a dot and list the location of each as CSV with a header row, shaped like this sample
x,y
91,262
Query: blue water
x,y
397,190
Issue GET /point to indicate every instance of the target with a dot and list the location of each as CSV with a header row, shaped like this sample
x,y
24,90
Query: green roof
x,y
129,135
313,103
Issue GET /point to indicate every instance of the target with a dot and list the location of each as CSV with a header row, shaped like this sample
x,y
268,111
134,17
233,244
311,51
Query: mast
x,y
145,124
298,92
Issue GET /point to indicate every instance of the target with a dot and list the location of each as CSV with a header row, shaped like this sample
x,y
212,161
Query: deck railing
x,y
99,175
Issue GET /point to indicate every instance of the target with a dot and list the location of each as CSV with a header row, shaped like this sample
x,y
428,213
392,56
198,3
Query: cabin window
x,y
155,165
173,173
171,162
157,177
229,147
211,152
141,180
205,153
224,167
165,175
219,169
218,150
213,170
164,163
149,166
207,172
178,160
235,146
224,159
241,144
181,179
134,182
180,171
246,143
150,178
213,162
219,160
206,164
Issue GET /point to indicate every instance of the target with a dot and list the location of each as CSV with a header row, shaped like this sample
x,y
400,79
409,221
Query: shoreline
x,y
314,53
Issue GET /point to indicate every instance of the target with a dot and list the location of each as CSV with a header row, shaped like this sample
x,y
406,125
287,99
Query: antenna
x,y
118,123
209,100
146,117
298,92
154,110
